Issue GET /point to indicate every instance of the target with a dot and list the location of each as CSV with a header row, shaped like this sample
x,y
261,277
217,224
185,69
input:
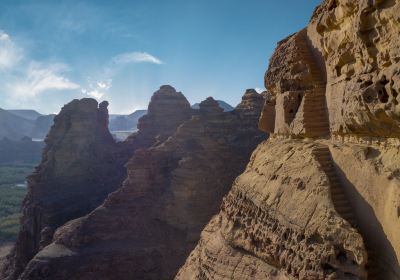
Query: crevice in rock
x,y
350,205
383,263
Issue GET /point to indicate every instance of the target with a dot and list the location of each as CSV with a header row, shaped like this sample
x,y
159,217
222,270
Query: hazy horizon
x,y
51,53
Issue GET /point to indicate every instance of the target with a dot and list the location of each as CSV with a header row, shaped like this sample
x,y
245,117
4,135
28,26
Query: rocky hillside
x,y
126,122
320,199
22,151
26,114
81,165
147,228
225,106
13,126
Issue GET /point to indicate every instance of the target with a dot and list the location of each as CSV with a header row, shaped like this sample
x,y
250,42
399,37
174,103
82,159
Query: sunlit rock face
x,y
361,48
147,228
320,199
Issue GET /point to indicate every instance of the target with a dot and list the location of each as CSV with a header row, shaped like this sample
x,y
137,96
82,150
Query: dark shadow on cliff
x,y
378,246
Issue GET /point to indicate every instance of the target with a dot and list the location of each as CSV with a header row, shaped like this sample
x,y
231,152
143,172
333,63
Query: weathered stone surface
x,y
73,177
278,222
297,83
146,229
324,206
349,53
82,164
167,110
360,45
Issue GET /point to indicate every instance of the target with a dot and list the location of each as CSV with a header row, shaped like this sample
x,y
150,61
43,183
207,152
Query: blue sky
x,y
122,51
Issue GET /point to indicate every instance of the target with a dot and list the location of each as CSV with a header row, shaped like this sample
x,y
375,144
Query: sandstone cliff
x,y
82,164
73,177
146,229
320,199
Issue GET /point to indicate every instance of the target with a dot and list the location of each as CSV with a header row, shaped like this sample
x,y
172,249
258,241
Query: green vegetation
x,y
11,197
14,174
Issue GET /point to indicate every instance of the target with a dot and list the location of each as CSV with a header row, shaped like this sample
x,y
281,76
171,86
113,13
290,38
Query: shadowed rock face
x,y
146,229
82,164
73,178
320,199
167,110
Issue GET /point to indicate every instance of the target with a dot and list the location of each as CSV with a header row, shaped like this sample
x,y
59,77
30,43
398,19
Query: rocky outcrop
x,y
126,122
79,168
320,199
278,222
167,110
225,106
81,165
146,229
359,43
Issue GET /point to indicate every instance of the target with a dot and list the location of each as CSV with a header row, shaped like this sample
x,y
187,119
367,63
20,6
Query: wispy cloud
x,y
40,78
24,78
102,86
136,57
98,90
10,53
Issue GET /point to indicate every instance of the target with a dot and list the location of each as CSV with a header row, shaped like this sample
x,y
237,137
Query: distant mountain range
x,y
16,124
26,114
125,122
221,104
20,151
13,126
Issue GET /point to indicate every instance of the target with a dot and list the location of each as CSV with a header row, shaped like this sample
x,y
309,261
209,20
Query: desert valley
x,y
298,181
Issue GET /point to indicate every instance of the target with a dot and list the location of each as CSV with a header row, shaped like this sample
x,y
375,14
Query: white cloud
x,y
40,78
4,36
99,89
10,54
23,78
136,57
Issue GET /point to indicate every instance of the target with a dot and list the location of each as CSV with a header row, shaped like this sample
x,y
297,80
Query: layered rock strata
x,y
77,171
278,222
320,199
146,229
82,164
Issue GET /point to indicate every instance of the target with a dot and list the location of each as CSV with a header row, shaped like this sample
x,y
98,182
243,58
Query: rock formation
x,y
125,122
81,165
147,228
73,177
320,199
225,106
167,110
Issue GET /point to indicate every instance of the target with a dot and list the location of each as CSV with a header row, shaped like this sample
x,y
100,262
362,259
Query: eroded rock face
x,y
320,199
82,164
361,47
278,222
167,110
146,229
